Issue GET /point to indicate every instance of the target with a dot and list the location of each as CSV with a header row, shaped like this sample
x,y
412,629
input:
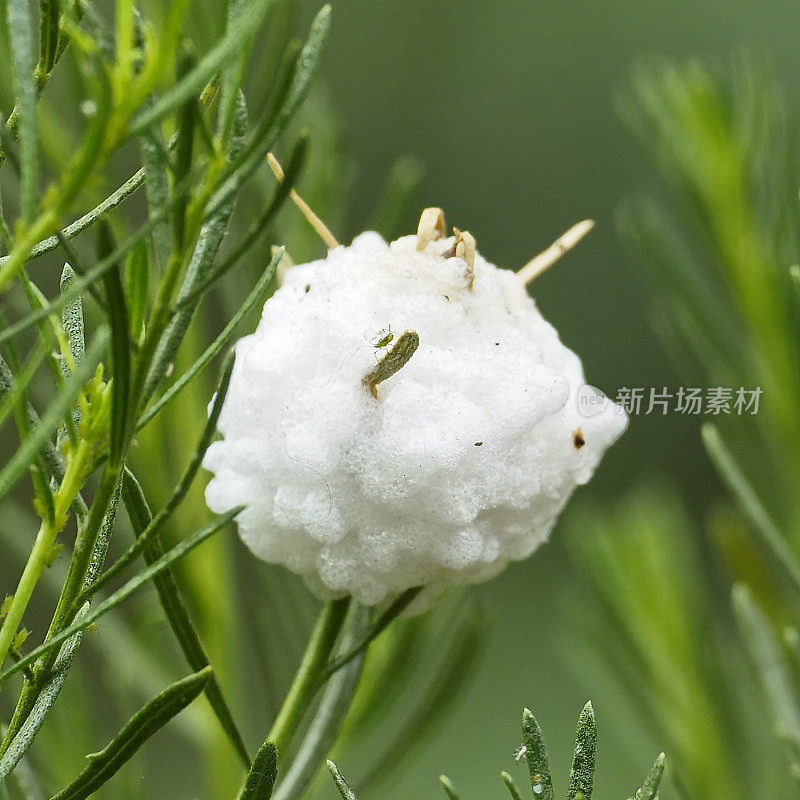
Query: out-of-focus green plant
x,y
722,260
656,593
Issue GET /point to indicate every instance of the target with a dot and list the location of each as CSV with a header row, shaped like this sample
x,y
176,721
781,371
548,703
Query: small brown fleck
x,y
478,444
446,297
577,439
497,343
307,288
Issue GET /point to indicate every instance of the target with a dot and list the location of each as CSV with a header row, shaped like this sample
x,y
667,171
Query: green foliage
x,y
262,775
139,729
728,314
144,291
581,777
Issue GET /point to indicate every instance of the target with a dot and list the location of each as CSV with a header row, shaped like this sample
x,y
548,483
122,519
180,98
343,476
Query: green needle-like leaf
x,y
651,783
771,537
137,279
184,148
72,318
261,779
154,173
20,32
536,756
103,765
96,273
120,351
146,529
581,776
772,667
341,784
49,13
90,218
448,786
52,418
511,785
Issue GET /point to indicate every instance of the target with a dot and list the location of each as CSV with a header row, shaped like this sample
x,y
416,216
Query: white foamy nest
x,y
461,464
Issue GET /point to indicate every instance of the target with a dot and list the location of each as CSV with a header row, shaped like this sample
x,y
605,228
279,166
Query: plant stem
x,y
17,258
27,582
42,547
306,681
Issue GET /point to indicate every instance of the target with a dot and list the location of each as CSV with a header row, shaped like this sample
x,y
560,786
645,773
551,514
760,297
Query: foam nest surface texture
x,y
461,464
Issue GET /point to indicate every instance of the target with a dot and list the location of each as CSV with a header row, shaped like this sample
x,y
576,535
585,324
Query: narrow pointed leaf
x,y
137,280
263,773
536,756
511,785
103,765
120,351
72,319
341,784
100,549
171,600
771,537
20,32
259,226
154,167
146,527
581,777
90,218
96,273
184,148
651,783
210,239
771,665
17,385
49,13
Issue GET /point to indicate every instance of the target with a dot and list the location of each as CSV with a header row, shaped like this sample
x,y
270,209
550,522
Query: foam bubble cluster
x,y
462,462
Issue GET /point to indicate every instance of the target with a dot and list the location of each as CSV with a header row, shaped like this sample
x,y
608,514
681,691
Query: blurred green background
x,y
514,114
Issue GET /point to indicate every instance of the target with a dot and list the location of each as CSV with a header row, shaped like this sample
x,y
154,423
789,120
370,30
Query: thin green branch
x,y
384,620
307,679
